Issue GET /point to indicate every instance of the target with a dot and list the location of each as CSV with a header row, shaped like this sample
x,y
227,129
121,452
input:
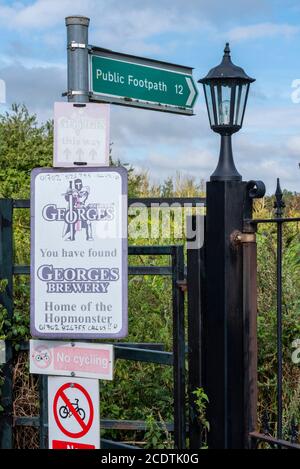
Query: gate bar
x,y
250,337
6,299
43,423
195,279
178,348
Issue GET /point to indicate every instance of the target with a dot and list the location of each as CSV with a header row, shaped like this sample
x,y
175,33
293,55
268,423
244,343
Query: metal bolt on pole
x,y
78,59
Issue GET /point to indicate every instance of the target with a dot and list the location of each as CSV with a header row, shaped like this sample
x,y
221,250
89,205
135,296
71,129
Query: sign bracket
x,y
76,45
71,93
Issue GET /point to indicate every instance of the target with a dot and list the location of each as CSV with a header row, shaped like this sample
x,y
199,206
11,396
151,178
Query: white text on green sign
x,y
136,82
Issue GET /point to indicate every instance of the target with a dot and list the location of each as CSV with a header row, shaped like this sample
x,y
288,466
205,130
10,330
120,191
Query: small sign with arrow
x,y
139,82
81,134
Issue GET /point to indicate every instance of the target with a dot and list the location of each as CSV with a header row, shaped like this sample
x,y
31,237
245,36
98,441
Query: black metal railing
x,y
265,435
182,278
150,354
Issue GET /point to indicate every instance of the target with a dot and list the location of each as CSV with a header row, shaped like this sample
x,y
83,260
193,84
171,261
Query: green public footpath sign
x,y
150,85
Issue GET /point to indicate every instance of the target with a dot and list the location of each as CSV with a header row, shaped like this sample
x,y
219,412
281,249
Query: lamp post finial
x,y
227,50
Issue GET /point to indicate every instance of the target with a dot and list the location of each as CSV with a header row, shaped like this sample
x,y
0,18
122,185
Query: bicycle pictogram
x,y
42,357
65,412
73,409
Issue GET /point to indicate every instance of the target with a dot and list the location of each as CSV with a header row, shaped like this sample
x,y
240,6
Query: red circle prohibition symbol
x,y
61,394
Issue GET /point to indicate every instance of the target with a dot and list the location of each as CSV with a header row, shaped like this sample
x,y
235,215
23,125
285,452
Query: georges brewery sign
x,y
79,253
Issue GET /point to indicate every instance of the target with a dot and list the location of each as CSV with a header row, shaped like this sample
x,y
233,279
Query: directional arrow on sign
x,y
139,82
79,153
193,91
93,153
67,153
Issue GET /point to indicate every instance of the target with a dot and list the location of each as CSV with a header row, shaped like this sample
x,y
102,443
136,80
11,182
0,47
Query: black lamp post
x,y
229,305
226,90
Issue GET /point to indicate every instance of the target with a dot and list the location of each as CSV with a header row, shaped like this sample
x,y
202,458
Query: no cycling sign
x,y
73,409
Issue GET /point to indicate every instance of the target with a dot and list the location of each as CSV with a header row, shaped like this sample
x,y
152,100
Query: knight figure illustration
x,y
76,197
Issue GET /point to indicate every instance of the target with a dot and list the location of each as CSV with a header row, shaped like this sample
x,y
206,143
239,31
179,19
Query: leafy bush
x,y
144,391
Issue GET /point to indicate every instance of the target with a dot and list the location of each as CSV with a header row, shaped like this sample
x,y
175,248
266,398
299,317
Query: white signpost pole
x,y
78,265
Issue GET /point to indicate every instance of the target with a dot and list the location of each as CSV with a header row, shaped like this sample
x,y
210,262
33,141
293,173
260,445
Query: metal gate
x,y
151,353
232,411
189,357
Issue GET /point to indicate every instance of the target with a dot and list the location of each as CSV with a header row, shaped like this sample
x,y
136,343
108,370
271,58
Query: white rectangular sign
x,y
74,414
2,352
79,253
81,134
84,360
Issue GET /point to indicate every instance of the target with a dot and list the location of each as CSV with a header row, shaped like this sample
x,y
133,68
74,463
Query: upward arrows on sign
x,y
79,153
67,153
93,153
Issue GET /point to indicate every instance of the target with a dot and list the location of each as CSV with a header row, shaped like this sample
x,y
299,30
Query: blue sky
x,y
265,40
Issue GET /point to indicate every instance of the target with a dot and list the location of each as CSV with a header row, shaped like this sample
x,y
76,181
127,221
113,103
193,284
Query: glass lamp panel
x,y
240,103
209,103
232,102
218,98
224,111
223,103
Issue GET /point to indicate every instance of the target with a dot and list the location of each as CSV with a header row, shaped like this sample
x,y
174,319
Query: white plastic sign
x,y
2,352
81,134
79,253
85,360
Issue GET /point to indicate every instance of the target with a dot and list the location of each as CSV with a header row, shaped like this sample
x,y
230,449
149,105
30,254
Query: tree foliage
x,y
144,391
23,145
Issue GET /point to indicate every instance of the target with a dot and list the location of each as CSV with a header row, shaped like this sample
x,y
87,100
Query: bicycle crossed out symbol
x,y
62,411
65,412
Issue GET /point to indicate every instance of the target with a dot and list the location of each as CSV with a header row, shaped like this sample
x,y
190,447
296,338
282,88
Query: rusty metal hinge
x,y
237,237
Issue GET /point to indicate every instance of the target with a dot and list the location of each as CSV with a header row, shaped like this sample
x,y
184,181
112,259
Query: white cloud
x,y
293,145
153,18
38,15
192,159
194,162
255,161
279,120
141,127
115,24
133,26
261,30
163,143
37,87
41,13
